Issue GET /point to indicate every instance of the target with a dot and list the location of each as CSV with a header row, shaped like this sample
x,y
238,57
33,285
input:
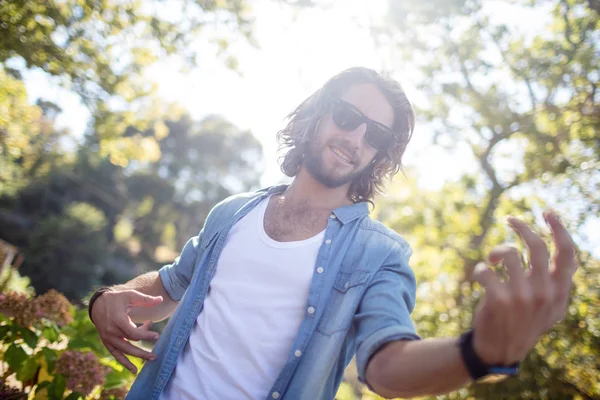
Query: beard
x,y
329,177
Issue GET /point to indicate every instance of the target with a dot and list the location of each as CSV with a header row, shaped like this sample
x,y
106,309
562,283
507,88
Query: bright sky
x,y
298,51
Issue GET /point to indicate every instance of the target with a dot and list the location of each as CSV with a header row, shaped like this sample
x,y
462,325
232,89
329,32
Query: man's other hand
x,y
110,314
512,315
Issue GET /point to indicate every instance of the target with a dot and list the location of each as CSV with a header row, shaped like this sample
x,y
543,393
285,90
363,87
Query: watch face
x,y
493,378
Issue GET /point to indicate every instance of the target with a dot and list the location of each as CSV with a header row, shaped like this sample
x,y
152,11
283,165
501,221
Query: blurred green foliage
x,y
102,47
525,104
122,200
82,221
100,50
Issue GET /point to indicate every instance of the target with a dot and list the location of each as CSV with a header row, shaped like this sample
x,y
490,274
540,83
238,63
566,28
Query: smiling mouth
x,y
342,155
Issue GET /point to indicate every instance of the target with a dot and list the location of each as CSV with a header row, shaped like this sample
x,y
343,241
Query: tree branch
x,y
517,72
594,5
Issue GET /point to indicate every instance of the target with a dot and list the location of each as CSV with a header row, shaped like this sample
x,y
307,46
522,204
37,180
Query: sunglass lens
x,y
378,138
345,117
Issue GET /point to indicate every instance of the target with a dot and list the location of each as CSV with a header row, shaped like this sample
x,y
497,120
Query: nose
x,y
356,136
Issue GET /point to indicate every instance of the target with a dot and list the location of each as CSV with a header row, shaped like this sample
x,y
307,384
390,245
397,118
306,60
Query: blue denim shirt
x,y
361,300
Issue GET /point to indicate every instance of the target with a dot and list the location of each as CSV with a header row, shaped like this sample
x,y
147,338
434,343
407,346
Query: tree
x,y
101,47
100,50
66,251
95,222
28,139
525,104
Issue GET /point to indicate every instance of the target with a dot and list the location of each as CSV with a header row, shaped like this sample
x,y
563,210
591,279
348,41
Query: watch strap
x,y
95,297
476,367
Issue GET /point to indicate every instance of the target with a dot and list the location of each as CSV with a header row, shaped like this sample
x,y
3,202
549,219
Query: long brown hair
x,y
304,120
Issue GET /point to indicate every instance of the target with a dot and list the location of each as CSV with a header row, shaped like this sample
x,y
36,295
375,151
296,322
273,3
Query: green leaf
x,y
57,389
27,370
80,343
51,332
115,379
41,386
4,329
29,337
50,358
14,356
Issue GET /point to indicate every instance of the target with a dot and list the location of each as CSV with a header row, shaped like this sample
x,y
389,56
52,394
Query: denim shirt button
x,y
320,270
297,353
275,395
328,241
311,310
332,216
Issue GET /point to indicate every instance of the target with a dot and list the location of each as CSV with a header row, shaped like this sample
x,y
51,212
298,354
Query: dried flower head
x,y
20,307
82,370
54,306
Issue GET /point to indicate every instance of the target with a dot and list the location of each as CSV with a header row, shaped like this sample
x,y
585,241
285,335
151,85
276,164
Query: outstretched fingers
x,y
565,262
511,259
538,251
138,299
124,346
487,279
141,332
120,357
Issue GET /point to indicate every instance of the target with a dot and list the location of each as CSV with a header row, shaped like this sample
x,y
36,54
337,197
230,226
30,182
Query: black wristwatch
x,y
479,370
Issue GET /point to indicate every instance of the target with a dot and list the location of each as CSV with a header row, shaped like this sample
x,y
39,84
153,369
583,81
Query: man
x,y
284,286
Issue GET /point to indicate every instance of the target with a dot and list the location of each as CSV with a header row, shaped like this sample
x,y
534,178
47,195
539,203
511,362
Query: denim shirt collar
x,y
344,214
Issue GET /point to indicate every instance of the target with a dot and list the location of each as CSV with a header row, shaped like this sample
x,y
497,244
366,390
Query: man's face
x,y
335,157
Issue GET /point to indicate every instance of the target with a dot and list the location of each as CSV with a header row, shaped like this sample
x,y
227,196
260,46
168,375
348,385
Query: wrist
x,y
477,367
97,294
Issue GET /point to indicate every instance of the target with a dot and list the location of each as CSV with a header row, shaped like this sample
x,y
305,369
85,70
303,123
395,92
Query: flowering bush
x,y
82,370
30,311
51,350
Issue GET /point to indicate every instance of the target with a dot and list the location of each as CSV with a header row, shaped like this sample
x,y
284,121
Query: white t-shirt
x,y
252,313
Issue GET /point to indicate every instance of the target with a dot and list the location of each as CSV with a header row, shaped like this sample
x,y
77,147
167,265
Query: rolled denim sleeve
x,y
176,277
384,312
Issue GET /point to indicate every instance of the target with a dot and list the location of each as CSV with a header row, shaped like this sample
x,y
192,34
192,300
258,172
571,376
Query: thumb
x,y
139,299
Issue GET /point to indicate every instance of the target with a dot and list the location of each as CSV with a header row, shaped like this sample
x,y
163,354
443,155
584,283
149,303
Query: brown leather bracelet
x,y
95,297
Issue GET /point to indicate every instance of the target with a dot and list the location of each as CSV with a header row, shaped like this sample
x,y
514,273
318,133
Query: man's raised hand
x,y
512,315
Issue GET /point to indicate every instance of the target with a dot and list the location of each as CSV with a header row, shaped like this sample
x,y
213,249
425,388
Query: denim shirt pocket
x,y
343,301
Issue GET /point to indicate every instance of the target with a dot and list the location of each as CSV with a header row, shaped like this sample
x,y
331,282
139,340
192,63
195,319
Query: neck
x,y
305,189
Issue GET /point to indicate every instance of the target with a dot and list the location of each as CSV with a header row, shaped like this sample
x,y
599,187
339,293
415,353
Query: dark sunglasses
x,y
348,118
